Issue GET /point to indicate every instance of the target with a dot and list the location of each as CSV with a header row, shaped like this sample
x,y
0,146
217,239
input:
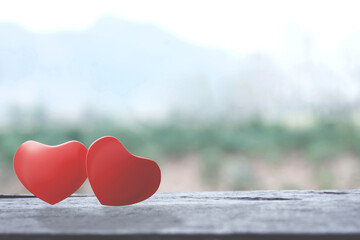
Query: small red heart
x,y
117,177
51,173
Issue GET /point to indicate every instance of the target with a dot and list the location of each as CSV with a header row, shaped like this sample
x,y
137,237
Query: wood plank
x,y
203,215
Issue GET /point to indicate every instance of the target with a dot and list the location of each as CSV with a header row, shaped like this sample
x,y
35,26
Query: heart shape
x,y
117,177
51,173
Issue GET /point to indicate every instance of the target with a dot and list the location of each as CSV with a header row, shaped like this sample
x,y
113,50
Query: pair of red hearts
x,y
53,173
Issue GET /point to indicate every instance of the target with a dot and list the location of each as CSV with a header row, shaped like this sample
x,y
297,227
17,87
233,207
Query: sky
x,y
233,25
236,26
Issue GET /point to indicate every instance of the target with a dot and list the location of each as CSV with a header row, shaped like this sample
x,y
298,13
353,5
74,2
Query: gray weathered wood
x,y
206,215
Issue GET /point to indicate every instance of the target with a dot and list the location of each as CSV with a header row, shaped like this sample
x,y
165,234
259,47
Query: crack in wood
x,y
330,192
243,198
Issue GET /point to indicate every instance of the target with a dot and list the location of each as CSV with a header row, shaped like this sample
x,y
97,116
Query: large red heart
x,y
117,177
52,173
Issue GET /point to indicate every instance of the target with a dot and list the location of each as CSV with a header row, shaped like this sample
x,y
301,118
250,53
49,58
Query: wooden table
x,y
202,215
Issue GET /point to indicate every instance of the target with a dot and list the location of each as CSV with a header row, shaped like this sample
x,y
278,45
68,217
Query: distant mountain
x,y
115,65
131,69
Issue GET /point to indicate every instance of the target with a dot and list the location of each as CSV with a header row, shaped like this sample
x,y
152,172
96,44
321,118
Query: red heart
x,y
52,173
117,177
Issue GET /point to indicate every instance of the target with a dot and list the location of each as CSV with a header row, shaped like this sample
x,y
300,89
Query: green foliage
x,y
320,142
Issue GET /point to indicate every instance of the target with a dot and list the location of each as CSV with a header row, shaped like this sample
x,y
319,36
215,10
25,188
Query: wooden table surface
x,y
328,214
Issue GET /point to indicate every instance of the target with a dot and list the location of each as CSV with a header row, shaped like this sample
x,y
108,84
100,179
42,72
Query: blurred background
x,y
224,95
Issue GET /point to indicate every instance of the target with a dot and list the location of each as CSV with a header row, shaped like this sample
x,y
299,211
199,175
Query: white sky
x,y
230,24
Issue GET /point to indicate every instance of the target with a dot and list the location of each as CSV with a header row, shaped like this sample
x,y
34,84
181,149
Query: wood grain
x,y
329,214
